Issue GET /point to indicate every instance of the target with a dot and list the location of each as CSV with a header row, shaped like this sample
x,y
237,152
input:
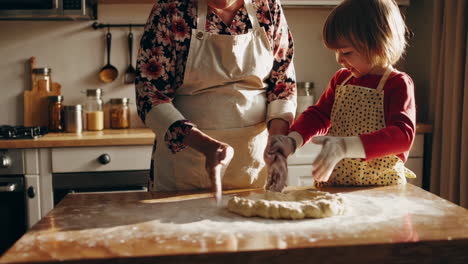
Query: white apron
x,y
224,94
358,110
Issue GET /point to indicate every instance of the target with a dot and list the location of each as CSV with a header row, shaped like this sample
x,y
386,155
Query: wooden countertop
x,y
107,137
393,224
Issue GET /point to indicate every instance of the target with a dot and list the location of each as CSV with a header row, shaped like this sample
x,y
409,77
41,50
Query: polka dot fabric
x,y
358,110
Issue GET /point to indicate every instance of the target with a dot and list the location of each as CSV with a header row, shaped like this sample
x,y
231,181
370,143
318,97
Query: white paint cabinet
x,y
83,159
300,168
86,159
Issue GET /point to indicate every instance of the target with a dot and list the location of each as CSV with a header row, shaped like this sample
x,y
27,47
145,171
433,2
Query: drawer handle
x,y
104,159
12,187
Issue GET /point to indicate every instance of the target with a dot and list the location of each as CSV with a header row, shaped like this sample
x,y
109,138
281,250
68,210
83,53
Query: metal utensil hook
x,y
108,29
130,27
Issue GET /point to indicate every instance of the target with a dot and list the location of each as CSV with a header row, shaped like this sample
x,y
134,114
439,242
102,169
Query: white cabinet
x,y
300,168
75,160
106,158
300,175
299,165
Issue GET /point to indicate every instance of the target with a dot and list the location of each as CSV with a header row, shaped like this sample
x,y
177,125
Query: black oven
x,y
13,222
94,182
48,9
12,211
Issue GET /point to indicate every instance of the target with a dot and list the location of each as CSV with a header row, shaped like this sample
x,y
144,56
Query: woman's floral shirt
x,y
164,49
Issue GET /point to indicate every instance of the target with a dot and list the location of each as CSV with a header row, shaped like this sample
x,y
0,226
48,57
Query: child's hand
x,y
334,149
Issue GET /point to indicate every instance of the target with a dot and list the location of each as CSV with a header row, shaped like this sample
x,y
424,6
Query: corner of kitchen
x,y
75,156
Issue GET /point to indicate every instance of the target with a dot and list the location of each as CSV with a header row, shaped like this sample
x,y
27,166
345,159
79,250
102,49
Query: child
x,y
367,111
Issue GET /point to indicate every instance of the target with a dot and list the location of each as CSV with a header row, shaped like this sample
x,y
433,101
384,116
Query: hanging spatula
x,y
130,73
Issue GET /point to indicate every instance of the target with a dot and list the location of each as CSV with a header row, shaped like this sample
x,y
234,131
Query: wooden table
x,y
395,224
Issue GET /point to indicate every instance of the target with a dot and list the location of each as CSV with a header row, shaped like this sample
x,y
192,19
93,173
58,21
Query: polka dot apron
x,y
359,110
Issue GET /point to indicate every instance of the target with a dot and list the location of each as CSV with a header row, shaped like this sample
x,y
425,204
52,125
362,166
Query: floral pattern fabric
x,y
165,45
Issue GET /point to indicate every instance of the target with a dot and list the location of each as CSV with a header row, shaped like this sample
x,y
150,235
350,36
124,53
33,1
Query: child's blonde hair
x,y
375,28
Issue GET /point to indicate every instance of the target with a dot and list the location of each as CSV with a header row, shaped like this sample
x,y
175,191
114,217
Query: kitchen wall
x,y
76,53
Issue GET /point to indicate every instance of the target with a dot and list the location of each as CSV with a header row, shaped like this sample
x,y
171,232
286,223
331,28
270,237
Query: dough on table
x,y
296,204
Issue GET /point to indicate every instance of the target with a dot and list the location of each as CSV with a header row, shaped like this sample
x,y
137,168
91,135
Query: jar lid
x,y
73,107
94,92
123,100
56,98
306,85
45,71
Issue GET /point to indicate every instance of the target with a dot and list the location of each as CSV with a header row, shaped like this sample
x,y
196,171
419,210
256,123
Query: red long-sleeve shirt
x,y
399,111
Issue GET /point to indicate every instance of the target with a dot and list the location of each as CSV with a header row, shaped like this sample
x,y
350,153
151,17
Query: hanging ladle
x,y
108,73
130,74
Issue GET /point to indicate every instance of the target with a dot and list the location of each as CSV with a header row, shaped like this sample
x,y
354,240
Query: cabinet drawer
x,y
84,159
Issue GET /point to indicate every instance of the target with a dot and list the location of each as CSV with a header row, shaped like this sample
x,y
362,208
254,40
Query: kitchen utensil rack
x,y
97,25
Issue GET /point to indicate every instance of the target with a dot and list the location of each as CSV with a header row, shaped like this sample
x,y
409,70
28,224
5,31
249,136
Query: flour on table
x,y
143,227
297,204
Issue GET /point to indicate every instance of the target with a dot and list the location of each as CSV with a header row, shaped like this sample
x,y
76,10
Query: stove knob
x,y
5,162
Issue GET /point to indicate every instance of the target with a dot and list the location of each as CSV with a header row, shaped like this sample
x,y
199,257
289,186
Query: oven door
x,y
12,210
48,9
30,7
93,182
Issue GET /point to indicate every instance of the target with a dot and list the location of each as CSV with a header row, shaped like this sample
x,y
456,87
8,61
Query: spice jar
x,y
43,77
55,113
119,113
94,114
73,118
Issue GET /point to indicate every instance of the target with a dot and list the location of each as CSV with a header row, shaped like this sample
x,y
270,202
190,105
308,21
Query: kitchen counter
x,y
108,137
393,224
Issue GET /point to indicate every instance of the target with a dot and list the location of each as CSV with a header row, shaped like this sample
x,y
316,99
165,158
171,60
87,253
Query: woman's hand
x,y
279,144
276,154
276,127
218,155
277,174
278,149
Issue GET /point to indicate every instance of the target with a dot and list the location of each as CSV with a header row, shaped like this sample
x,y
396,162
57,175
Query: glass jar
x,y
119,113
305,89
55,113
43,77
73,118
305,96
93,113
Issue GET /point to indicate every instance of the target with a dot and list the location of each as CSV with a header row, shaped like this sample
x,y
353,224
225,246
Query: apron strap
x,y
346,80
201,15
384,79
252,14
